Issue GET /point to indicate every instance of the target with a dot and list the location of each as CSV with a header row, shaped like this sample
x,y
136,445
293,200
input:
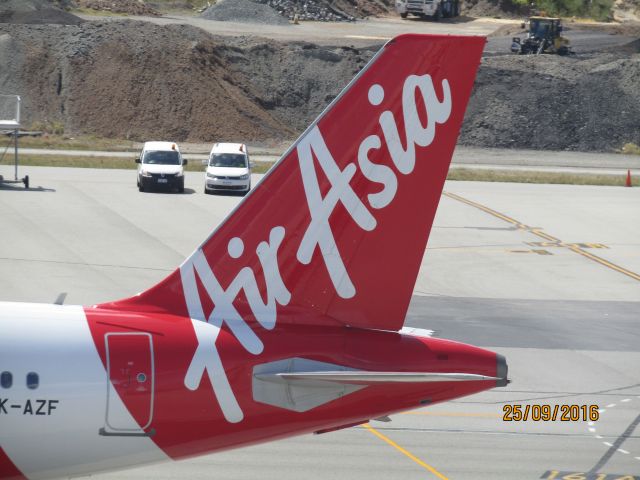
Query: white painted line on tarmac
x,y
599,437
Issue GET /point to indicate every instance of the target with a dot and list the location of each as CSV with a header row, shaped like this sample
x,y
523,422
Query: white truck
x,y
434,9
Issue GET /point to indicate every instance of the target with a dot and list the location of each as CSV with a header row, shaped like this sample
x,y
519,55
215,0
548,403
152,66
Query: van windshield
x,y
233,160
161,157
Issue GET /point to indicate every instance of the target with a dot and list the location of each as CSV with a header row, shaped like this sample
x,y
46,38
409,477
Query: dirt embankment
x,y
556,103
141,81
35,12
329,10
626,10
128,7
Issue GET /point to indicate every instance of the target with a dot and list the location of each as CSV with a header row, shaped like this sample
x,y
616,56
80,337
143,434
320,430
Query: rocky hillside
x,y
35,12
137,80
588,103
626,10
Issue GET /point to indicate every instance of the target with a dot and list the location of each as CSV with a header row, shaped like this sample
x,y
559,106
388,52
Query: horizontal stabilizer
x,y
417,332
374,377
298,395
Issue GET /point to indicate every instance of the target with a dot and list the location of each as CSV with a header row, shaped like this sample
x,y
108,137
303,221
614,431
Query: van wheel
x,y
438,15
140,188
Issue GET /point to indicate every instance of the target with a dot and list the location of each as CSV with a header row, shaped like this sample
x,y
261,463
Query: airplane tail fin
x,y
336,231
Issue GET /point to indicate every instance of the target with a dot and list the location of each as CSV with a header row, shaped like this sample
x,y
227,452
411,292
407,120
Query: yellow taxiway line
x,y
538,232
386,439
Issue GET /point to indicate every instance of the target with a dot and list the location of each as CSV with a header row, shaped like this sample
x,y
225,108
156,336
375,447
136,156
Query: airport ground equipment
x,y
10,121
544,36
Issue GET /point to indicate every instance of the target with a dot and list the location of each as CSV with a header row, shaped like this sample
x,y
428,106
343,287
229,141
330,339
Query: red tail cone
x,y
628,182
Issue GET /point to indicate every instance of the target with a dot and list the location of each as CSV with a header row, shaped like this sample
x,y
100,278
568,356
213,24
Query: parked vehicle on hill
x,y
228,169
160,165
434,9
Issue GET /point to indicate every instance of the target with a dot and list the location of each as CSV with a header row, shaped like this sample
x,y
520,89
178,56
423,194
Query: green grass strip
x,y
522,176
462,174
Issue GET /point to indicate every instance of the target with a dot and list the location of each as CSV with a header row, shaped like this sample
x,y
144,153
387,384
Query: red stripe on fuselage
x,y
188,422
8,471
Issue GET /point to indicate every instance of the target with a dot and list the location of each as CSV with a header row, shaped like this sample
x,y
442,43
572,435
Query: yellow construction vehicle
x,y
544,36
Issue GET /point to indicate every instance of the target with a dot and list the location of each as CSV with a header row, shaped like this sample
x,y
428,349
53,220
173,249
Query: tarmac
x,y
362,33
376,31
547,275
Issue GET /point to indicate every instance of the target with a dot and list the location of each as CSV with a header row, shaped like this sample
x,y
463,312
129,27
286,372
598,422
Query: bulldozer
x,y
544,36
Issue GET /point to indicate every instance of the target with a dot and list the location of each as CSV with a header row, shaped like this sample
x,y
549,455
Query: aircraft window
x,y
6,379
32,380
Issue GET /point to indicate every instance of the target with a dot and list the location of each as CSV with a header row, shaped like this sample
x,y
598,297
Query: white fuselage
x,y
52,430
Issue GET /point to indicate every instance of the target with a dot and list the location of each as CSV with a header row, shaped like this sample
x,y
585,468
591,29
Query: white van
x,y
228,169
160,165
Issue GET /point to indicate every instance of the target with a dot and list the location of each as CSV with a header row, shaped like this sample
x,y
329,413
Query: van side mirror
x,y
184,162
252,165
205,162
137,159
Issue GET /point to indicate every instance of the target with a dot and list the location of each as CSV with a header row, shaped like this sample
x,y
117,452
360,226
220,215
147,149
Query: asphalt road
x,y
547,275
376,31
581,42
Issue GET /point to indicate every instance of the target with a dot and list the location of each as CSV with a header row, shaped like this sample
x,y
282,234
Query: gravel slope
x,y
244,11
584,103
35,12
137,80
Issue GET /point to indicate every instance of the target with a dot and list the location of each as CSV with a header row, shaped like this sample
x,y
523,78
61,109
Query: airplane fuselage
x,y
287,319
93,390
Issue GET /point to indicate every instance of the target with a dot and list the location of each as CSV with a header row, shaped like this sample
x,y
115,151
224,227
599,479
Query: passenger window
x,y
6,379
32,380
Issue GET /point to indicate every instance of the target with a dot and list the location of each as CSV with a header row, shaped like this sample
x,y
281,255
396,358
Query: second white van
x,y
228,169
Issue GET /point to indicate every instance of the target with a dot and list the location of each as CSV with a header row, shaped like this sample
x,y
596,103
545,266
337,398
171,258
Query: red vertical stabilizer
x,y
336,231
